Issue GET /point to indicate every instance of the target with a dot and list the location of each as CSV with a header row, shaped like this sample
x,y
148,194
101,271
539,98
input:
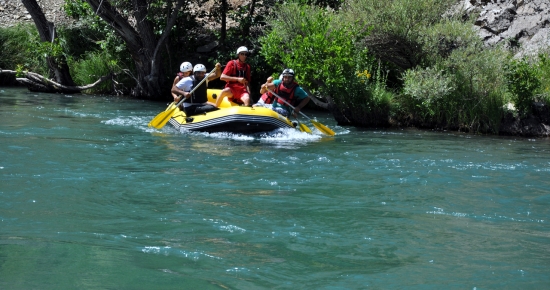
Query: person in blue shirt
x,y
289,90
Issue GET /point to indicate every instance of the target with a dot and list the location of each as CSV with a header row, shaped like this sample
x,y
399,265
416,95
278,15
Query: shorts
x,y
237,92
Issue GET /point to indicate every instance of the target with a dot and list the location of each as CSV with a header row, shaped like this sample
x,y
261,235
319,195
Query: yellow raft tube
x,y
230,118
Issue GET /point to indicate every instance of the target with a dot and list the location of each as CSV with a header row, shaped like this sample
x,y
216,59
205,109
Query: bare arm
x,y
227,78
217,74
174,95
177,91
264,86
302,104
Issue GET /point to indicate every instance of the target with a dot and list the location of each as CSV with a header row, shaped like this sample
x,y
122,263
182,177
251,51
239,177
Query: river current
x,y
92,198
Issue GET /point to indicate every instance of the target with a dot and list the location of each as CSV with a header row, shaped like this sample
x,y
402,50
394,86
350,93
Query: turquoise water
x,y
91,198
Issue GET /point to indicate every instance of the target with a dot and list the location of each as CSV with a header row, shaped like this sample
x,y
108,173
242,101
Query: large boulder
x,y
523,25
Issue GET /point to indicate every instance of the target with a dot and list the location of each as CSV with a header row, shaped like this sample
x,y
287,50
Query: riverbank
x,y
452,118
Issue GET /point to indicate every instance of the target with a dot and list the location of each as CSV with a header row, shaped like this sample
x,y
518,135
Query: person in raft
x,y
237,77
185,71
287,89
266,99
197,102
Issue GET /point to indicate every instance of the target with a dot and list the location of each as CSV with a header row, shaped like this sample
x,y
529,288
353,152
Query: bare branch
x,y
36,80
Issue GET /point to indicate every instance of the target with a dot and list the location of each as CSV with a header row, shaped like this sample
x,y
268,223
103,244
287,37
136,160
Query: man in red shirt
x,y
237,76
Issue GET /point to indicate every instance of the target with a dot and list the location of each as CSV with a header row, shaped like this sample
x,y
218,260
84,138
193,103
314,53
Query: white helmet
x,y
199,67
186,66
288,72
242,49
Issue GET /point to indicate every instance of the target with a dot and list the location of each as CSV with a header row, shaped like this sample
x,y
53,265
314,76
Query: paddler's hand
x,y
295,112
243,81
218,66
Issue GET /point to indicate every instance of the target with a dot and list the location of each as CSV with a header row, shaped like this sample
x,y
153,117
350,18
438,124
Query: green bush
x,y
93,66
466,90
18,45
439,40
323,49
523,81
427,89
543,92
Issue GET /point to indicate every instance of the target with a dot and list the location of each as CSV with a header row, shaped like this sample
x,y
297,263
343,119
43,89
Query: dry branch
x,y
37,82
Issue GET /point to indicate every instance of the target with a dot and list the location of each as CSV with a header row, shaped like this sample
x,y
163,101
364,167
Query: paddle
x,y
161,119
303,127
324,129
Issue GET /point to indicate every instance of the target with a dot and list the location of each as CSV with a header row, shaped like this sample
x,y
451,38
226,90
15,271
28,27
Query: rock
x,y
534,125
14,12
523,22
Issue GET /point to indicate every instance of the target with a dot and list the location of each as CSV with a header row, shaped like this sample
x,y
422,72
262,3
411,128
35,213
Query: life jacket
x,y
268,98
285,93
240,73
200,95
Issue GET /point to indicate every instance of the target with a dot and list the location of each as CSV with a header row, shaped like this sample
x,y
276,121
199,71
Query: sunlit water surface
x,y
90,197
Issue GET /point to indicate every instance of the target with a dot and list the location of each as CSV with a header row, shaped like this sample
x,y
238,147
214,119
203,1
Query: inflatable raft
x,y
230,118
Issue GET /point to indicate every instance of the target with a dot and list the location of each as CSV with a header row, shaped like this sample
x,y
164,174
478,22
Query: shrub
x,y
18,45
93,66
523,81
427,88
322,48
543,92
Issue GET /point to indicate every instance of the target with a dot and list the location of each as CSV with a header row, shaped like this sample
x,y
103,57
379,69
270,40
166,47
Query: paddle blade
x,y
304,128
161,119
324,129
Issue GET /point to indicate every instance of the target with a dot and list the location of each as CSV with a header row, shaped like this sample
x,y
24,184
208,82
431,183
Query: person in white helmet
x,y
237,77
197,102
185,70
289,90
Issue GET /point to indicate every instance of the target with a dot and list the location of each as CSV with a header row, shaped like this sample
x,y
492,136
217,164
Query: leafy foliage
x,y
543,71
323,50
427,89
17,44
465,90
93,66
523,82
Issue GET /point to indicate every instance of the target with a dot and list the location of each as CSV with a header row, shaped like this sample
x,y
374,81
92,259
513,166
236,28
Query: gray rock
x,y
526,22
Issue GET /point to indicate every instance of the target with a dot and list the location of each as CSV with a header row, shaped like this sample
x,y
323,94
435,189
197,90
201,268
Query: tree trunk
x,y
248,21
223,34
141,42
59,70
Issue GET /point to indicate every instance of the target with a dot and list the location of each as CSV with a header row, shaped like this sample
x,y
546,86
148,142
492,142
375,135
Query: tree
x,y
57,63
137,31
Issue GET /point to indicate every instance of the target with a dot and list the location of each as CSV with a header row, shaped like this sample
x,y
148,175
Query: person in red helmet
x,y
237,77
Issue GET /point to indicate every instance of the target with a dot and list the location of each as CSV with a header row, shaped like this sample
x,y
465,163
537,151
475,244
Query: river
x,y
91,198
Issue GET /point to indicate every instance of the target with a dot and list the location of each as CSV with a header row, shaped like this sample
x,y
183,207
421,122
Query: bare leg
x,y
246,99
225,93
